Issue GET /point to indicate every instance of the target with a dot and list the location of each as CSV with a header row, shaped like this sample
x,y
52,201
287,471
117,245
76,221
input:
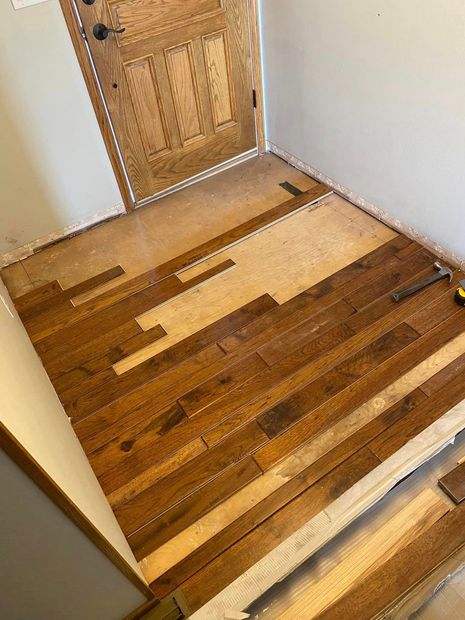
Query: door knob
x,y
101,32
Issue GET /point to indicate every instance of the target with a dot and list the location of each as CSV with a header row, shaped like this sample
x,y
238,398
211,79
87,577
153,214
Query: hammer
x,y
442,272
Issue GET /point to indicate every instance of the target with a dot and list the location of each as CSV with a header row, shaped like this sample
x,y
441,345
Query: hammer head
x,y
445,272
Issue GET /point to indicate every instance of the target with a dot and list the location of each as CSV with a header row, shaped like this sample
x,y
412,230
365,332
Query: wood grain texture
x,y
147,279
412,521
453,484
398,575
241,556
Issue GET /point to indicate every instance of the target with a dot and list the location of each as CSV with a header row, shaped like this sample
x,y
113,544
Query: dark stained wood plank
x,y
37,295
63,298
109,423
248,401
54,328
77,376
411,248
67,356
186,512
275,501
391,279
181,483
319,297
440,310
357,271
157,275
336,408
394,578
223,383
304,333
93,397
225,568
304,370
444,376
453,484
287,412
392,439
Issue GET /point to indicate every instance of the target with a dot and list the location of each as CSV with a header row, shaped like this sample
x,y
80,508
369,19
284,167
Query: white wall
x,y
372,94
54,169
48,569
32,412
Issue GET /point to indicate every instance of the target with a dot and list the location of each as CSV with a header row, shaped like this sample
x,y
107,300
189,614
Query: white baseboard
x,y
34,246
370,208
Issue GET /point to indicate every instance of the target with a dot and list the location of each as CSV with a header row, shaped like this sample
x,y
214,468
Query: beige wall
x,y
31,410
54,169
48,569
372,94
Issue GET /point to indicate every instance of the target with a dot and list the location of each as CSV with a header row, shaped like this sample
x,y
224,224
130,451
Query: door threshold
x,y
238,159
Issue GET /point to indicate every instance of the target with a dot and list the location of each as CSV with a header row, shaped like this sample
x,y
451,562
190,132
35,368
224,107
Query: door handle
x,y
101,32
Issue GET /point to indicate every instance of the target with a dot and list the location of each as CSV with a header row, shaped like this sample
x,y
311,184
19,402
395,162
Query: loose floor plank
x,y
394,578
37,295
453,484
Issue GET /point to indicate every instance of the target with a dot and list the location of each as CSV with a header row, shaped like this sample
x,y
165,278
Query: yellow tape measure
x,y
460,294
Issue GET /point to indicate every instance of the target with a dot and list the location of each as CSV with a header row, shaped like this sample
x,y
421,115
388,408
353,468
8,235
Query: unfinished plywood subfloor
x,y
301,378
155,233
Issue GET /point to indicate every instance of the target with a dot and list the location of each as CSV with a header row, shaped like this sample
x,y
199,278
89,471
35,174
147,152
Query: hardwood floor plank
x,y
319,297
297,484
453,484
288,411
154,473
248,550
248,401
304,333
392,279
63,298
223,383
171,489
66,356
439,381
440,310
120,386
330,412
140,283
74,328
394,578
186,512
77,376
37,295
401,396
106,425
393,438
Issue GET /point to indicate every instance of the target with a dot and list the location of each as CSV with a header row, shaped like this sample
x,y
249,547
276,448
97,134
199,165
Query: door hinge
x,y
254,98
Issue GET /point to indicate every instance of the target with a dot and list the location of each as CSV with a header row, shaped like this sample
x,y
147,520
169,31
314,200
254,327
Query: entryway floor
x,y
247,369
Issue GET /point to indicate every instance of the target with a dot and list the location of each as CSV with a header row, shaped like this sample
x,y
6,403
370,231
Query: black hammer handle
x,y
417,287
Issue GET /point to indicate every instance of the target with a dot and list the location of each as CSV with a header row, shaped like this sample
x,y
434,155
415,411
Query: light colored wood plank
x,y
193,537
370,553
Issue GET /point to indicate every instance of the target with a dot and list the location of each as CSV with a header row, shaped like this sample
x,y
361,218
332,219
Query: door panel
x,y
177,83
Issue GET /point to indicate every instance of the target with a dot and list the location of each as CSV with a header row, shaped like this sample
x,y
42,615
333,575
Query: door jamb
x,y
99,106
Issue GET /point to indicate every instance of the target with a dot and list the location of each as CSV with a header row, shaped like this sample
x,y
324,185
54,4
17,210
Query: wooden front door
x,y
177,83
